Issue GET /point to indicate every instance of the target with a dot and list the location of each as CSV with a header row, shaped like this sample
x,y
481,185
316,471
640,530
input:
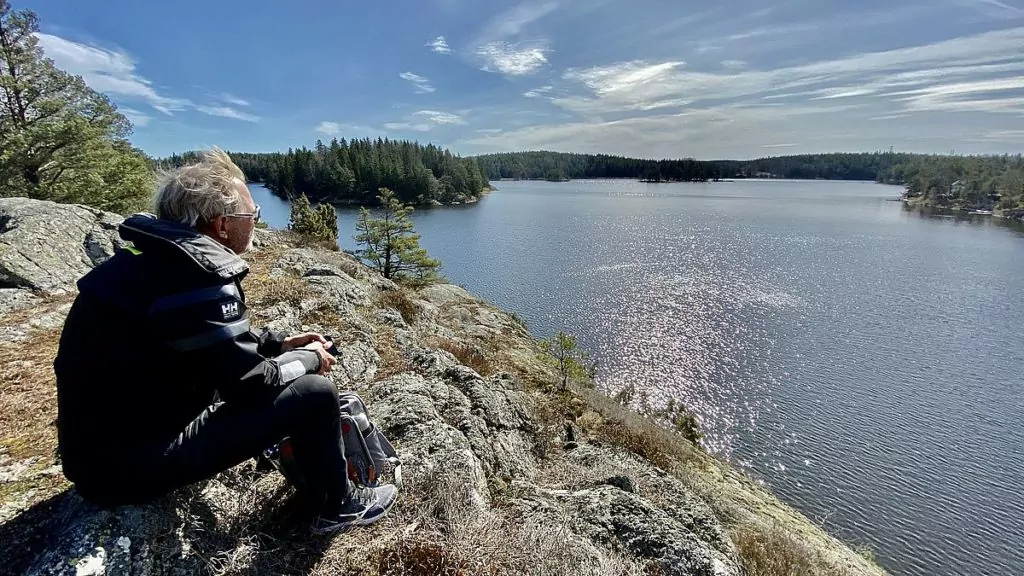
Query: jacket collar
x,y
151,234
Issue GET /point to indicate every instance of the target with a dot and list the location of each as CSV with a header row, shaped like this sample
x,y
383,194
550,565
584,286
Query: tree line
x,y
966,182
557,166
353,171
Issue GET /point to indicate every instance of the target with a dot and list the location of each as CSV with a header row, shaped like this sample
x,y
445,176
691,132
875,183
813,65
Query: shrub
x,y
468,355
399,300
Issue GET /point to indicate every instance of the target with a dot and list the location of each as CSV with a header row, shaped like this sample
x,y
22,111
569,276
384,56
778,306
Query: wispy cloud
x,y
512,22
512,59
995,8
228,112
734,64
328,128
401,126
890,116
136,117
421,83
651,107
538,92
440,45
440,117
424,121
642,85
504,47
235,100
114,73
108,71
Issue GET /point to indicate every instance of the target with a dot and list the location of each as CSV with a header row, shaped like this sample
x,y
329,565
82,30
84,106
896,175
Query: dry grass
x,y
434,530
400,300
28,401
467,354
392,361
772,551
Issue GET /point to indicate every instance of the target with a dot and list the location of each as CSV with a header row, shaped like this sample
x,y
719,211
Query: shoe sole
x,y
363,521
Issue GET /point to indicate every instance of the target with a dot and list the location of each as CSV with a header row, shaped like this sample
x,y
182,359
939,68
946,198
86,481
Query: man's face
x,y
239,229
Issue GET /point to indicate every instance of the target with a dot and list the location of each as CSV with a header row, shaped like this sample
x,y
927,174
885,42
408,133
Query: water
x,y
863,360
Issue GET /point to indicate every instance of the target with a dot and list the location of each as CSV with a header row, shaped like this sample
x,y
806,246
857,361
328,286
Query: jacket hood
x,y
150,234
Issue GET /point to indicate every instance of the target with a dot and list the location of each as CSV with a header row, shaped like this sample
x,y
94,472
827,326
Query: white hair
x,y
198,193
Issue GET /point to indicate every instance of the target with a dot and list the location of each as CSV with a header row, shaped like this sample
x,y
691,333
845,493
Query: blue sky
x,y
729,79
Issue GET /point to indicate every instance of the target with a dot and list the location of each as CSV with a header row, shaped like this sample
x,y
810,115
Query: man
x,y
161,383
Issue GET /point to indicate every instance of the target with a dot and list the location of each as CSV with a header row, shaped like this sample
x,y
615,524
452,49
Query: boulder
x,y
45,247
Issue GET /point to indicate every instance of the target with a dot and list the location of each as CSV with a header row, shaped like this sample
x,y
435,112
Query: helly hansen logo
x,y
229,310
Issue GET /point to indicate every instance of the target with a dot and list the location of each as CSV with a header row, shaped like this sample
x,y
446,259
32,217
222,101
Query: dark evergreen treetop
x,y
352,172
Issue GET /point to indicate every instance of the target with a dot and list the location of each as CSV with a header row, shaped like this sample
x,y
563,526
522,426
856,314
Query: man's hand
x,y
300,340
326,360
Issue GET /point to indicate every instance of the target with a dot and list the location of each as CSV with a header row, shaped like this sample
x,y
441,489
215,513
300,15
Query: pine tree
x,y
319,224
390,245
302,215
59,139
328,222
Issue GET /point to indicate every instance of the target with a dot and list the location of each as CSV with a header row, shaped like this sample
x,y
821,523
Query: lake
x,y
864,360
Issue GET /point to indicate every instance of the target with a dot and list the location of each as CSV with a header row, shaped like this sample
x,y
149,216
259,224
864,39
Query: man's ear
x,y
218,228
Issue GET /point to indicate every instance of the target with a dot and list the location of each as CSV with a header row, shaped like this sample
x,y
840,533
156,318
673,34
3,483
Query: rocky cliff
x,y
504,472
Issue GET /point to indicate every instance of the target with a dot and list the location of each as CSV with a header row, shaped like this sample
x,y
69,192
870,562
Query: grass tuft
x,y
772,551
467,354
400,300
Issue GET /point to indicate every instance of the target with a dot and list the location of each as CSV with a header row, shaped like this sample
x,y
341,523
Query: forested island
x,y
956,182
353,171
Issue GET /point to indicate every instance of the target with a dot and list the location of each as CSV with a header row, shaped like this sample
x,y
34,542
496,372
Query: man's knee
x,y
317,394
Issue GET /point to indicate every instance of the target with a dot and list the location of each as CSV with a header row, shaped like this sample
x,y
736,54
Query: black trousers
x,y
227,434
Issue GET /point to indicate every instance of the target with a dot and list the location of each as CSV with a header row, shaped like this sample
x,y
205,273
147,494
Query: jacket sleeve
x,y
208,330
270,343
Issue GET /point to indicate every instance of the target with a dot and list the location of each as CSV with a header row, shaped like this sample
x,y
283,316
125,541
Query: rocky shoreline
x,y
504,472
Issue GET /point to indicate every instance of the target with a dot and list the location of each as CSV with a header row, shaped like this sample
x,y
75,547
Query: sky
x,y
654,79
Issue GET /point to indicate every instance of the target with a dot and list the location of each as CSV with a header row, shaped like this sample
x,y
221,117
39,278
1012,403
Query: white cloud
x,y
504,47
399,126
328,128
934,95
230,99
995,9
136,117
114,73
512,22
538,92
734,64
440,117
512,59
440,45
425,120
421,83
227,112
108,71
642,85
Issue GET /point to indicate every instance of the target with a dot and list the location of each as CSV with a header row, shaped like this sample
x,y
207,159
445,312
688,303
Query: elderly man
x,y
161,383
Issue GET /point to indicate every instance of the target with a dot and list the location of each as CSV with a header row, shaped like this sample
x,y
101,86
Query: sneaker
x,y
364,507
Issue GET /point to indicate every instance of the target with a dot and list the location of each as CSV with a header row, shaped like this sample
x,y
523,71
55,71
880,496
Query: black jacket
x,y
155,334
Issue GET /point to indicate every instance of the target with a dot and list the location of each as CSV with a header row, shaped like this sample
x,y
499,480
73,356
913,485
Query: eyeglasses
x,y
255,215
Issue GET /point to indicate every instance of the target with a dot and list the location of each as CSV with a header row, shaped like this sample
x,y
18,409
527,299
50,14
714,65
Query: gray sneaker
x,y
364,507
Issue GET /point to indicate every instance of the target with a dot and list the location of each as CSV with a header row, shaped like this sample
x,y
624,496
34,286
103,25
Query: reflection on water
x,y
861,358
